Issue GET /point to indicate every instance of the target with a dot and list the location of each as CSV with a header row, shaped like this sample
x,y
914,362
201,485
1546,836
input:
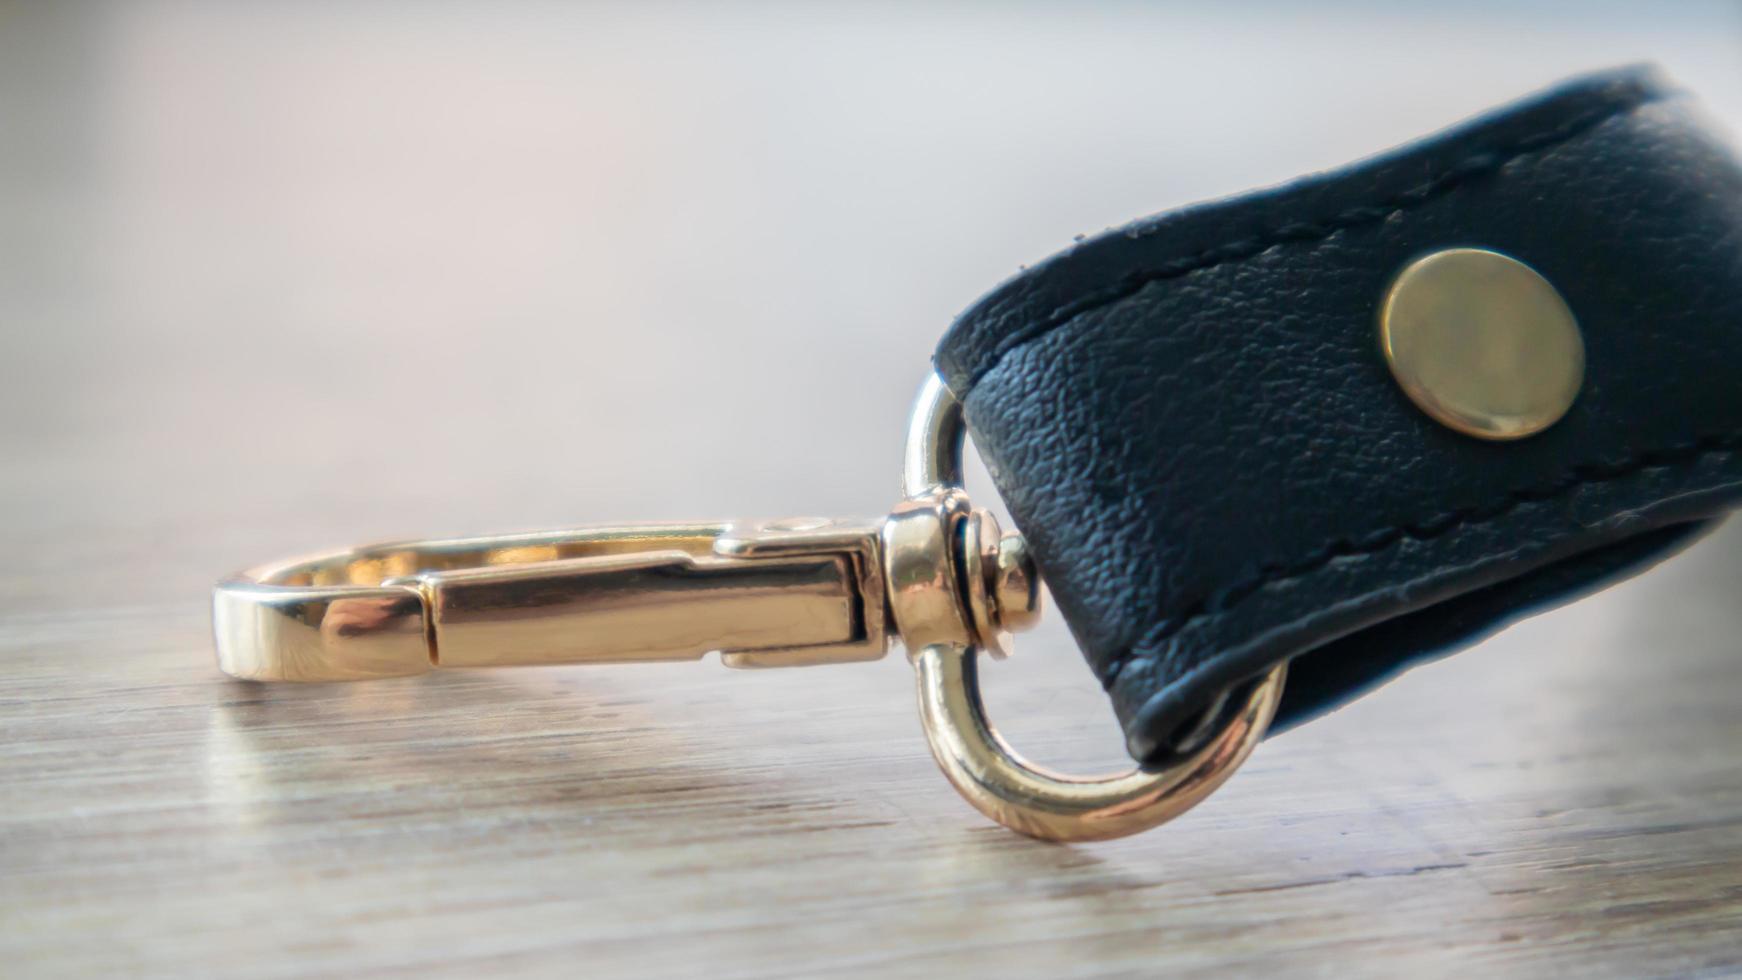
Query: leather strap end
x,y
1192,422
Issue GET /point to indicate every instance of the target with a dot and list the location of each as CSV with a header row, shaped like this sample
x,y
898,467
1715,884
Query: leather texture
x,y
1192,423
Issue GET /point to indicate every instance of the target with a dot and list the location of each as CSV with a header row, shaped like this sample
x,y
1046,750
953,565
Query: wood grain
x,y
278,279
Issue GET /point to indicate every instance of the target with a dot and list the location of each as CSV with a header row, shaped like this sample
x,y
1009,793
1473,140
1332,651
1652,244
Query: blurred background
x,y
279,276
421,268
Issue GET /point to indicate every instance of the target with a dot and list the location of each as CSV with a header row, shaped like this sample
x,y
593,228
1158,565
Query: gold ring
x,y
983,768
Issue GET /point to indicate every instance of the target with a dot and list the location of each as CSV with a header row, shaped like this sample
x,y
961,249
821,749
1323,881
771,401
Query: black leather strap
x,y
1191,420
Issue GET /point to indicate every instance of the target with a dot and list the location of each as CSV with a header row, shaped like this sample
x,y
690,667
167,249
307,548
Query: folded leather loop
x,y
1192,423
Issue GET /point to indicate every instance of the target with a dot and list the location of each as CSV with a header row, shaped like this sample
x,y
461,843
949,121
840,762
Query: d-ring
x,y
982,767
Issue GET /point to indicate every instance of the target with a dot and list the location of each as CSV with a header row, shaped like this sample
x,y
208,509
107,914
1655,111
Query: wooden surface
x,y
276,280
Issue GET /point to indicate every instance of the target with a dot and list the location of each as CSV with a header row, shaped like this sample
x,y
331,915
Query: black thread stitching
x,y
1222,600
1297,232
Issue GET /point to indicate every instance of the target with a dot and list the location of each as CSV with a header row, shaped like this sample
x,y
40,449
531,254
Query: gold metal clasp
x,y
773,594
764,594
776,594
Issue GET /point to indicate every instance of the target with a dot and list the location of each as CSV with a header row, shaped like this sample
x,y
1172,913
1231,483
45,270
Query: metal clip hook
x,y
771,594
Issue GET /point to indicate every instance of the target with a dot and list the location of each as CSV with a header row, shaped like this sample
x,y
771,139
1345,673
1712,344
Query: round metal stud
x,y
1482,343
1016,584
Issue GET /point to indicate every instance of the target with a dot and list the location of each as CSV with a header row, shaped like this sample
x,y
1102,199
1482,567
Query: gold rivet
x,y
1016,584
1482,343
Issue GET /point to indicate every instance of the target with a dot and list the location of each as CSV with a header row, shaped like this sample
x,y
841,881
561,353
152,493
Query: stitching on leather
x,y
1299,232
1271,573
